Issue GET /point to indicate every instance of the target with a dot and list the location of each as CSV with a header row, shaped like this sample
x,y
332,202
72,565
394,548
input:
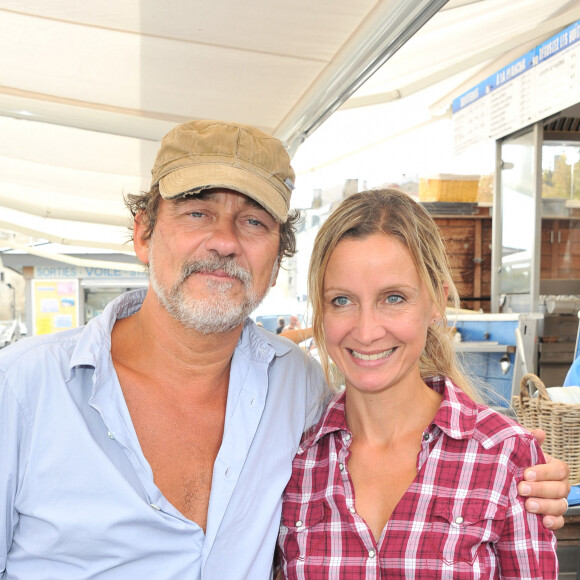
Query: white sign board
x,y
541,83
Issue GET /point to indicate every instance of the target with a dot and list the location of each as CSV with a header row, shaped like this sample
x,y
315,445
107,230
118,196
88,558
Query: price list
x,y
539,84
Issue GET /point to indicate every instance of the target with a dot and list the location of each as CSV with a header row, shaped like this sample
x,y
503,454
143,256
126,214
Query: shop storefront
x,y
59,297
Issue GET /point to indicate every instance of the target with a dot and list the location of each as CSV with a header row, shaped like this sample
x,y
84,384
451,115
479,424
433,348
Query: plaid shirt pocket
x,y
303,531
460,530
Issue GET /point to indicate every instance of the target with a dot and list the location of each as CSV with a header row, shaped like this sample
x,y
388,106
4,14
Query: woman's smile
x,y
371,357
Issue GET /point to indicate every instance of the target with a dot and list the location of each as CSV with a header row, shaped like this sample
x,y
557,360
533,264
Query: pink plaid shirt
x,y
461,517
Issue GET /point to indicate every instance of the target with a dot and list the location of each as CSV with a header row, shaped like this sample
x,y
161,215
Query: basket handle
x,y
534,380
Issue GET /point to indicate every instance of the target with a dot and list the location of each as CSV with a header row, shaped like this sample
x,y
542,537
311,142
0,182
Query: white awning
x,y
88,89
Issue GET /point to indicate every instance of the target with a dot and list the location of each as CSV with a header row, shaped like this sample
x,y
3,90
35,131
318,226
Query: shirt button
x,y
111,436
459,520
372,553
352,510
341,466
299,524
426,436
347,436
155,507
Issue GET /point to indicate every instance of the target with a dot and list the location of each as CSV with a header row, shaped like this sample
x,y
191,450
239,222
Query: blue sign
x,y
548,49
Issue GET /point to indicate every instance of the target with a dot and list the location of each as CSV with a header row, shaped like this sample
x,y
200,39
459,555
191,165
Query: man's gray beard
x,y
216,314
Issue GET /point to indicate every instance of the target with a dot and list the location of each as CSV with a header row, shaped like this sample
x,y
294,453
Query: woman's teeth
x,y
375,356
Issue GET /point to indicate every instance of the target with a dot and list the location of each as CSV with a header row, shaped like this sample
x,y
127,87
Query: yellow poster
x,y
56,305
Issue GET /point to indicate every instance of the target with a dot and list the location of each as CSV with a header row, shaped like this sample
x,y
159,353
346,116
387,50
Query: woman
x,y
408,435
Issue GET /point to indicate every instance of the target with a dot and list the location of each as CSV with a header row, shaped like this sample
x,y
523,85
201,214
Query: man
x,y
293,323
156,441
281,325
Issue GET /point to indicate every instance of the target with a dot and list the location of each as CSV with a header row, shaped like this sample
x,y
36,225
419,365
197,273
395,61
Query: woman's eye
x,y
394,299
341,301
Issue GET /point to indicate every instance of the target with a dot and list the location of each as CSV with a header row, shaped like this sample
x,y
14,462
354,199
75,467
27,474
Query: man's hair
x,y
146,204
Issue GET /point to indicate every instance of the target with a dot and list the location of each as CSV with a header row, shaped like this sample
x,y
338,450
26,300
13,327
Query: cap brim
x,y
196,178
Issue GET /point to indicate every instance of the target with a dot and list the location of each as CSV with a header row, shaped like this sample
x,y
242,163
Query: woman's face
x,y
376,311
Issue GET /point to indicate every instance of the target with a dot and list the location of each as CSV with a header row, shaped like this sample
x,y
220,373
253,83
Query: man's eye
x,y
341,301
255,222
196,214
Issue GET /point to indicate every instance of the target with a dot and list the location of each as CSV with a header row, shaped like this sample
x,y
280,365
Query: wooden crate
x,y
468,243
448,187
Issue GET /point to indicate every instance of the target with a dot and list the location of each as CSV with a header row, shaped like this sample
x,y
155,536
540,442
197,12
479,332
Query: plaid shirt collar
x,y
456,417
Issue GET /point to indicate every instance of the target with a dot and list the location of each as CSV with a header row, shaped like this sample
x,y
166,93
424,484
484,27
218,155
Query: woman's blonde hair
x,y
395,214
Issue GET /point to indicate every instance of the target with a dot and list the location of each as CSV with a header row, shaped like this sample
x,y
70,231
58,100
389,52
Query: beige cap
x,y
203,155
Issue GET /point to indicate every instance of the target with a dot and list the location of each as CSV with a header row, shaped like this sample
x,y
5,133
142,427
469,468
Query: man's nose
x,y
223,238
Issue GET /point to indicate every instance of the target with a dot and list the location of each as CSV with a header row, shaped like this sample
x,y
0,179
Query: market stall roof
x,y
88,89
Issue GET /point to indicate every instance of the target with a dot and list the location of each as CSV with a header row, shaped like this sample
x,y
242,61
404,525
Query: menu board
x,y
541,83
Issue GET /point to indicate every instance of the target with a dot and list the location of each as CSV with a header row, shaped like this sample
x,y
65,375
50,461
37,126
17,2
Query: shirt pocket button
x,y
459,531
303,530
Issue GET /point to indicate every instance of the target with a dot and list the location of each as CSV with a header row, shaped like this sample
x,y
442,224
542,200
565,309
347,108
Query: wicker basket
x,y
560,421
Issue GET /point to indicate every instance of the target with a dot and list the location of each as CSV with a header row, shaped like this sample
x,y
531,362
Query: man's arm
x,y
546,486
297,335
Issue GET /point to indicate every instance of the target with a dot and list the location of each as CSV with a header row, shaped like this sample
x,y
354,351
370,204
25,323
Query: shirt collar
x,y
333,419
261,345
256,343
457,414
456,417
95,339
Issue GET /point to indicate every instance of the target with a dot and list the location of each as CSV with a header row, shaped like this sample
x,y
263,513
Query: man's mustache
x,y
211,264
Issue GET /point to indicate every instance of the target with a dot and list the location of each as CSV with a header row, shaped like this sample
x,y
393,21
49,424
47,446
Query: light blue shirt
x,y
78,497
573,376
